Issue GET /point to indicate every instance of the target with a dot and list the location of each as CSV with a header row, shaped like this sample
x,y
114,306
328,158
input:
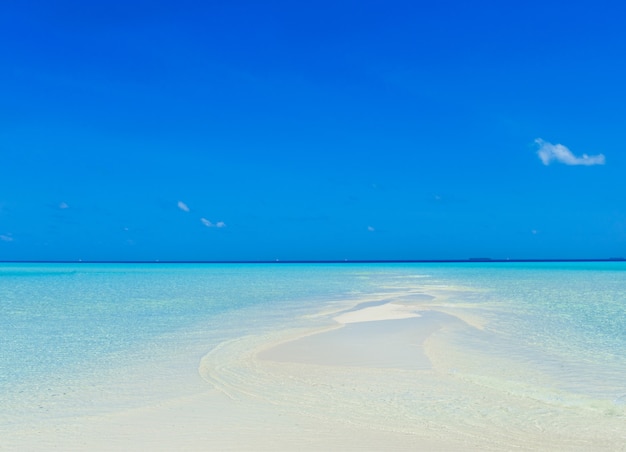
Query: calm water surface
x,y
70,330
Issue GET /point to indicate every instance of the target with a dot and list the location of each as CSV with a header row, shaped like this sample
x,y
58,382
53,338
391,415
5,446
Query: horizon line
x,y
471,260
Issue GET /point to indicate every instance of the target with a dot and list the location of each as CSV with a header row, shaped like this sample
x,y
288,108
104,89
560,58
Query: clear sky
x,y
262,130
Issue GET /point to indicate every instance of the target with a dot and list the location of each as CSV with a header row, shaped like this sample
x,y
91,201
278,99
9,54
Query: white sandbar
x,y
382,377
387,311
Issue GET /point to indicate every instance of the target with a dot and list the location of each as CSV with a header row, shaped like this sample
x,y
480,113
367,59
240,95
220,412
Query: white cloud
x,y
182,206
6,237
209,224
549,152
64,205
371,229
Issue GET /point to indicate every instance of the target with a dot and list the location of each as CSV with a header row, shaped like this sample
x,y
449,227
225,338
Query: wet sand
x,y
379,376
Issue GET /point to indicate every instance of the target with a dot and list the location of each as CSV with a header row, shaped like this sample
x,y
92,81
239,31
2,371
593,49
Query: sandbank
x,y
381,376
386,336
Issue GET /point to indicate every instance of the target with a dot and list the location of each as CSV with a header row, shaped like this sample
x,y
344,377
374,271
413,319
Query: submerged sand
x,y
385,374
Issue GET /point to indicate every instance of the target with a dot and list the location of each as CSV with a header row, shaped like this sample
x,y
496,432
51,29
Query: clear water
x,y
73,338
565,320
55,316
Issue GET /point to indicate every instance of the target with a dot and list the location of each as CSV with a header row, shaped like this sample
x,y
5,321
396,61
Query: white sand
x,y
382,378
387,311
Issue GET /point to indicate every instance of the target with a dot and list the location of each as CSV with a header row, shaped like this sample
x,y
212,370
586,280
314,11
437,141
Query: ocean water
x,y
75,337
85,339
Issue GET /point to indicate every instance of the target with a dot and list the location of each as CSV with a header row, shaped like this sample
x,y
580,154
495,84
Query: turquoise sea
x,y
83,339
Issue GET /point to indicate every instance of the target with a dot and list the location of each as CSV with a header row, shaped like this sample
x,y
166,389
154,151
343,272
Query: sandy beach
x,y
378,376
274,395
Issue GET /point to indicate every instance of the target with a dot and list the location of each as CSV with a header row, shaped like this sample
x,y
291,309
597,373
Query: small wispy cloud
x,y
549,152
209,224
371,228
182,206
6,237
64,205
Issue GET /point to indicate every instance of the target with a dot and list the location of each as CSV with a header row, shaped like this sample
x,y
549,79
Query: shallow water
x,y
539,349
70,332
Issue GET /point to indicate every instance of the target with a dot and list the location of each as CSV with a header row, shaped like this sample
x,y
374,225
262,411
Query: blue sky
x,y
142,130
